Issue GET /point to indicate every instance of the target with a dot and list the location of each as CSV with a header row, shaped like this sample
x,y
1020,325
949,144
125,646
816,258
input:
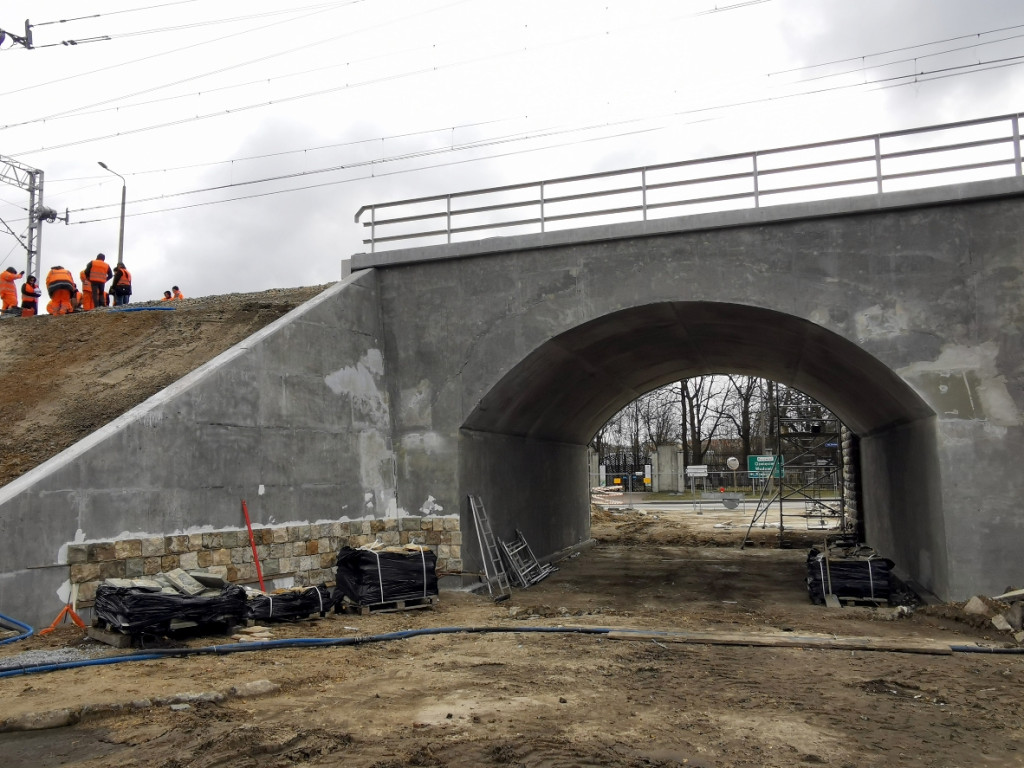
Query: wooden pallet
x,y
409,604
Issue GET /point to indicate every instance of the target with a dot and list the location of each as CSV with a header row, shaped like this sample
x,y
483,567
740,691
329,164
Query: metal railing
x,y
970,150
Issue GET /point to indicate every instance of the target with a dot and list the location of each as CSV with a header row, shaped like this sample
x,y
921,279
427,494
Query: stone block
x,y
305,532
280,535
127,548
454,565
442,565
976,606
213,540
455,538
451,523
263,551
297,549
1000,623
241,555
87,591
324,544
154,547
150,566
409,524
312,547
100,552
444,551
390,538
376,526
221,556
426,524
77,553
189,561
83,572
205,558
338,530
134,568
112,569
391,524
168,563
218,570
456,552
175,545
327,560
433,538
307,563
195,542
271,566
437,524
366,528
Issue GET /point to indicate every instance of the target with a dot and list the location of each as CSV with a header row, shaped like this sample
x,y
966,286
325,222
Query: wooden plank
x,y
826,642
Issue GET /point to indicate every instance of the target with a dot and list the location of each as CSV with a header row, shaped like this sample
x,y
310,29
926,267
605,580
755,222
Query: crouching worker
x,y
60,285
30,294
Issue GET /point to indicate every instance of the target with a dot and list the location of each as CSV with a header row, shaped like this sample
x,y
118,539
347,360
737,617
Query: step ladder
x,y
523,563
494,568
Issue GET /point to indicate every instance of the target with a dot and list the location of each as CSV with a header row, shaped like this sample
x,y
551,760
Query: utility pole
x,y
25,41
31,179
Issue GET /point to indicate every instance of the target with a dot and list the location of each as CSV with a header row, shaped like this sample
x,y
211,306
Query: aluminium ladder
x,y
525,566
494,569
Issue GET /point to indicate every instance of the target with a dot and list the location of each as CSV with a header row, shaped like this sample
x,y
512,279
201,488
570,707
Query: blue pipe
x,y
298,642
142,309
26,629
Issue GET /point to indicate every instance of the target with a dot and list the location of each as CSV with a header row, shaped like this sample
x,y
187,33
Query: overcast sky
x,y
201,104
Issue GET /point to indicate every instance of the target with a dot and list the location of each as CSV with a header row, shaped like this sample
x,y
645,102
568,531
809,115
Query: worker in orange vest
x,y
60,285
167,296
8,293
98,273
121,285
86,297
177,294
30,294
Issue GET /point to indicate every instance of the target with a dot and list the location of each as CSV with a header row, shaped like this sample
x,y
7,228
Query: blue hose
x,y
26,629
298,642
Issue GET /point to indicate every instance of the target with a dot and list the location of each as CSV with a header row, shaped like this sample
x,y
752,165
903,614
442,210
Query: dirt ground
x,y
506,697
531,698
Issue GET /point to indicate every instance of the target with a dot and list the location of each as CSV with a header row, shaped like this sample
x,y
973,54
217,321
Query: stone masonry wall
x,y
306,553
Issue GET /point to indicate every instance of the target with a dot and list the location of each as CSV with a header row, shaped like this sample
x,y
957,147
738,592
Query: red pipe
x,y
252,542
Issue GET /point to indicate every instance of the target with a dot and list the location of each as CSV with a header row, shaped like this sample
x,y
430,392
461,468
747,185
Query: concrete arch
x,y
551,403
568,387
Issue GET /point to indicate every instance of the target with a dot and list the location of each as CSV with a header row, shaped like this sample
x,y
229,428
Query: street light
x,y
124,194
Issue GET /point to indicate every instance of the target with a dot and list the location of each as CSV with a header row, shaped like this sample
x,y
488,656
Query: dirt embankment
x,y
62,378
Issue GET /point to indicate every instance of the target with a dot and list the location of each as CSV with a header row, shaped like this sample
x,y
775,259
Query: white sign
x,y
697,470
733,463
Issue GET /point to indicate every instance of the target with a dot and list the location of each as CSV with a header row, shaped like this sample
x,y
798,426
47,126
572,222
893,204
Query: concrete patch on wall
x,y
880,322
415,407
965,383
361,383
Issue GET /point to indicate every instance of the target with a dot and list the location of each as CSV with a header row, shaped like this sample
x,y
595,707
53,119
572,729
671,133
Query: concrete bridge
x,y
486,367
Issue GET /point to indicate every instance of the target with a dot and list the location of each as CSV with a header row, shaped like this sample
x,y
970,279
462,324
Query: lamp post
x,y
124,194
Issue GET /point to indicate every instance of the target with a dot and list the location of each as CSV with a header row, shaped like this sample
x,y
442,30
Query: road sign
x,y
760,467
733,463
697,470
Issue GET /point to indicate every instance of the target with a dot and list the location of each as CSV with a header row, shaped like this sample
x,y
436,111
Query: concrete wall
x,y
901,313
295,420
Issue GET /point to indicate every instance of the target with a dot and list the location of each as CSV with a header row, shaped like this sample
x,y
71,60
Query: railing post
x,y
1016,143
757,189
448,219
643,186
373,229
542,223
878,163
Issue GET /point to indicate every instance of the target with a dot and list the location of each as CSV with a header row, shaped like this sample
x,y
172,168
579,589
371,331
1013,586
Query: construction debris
x,y
386,578
856,574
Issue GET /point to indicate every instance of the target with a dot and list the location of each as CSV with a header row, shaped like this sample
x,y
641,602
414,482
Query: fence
x,y
970,150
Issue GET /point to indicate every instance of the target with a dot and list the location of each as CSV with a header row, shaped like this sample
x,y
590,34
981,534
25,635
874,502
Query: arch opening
x,y
526,441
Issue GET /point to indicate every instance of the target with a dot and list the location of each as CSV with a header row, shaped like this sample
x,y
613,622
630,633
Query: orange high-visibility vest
x,y
99,271
60,279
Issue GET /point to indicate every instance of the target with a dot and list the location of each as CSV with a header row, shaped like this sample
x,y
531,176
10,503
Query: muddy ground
x,y
527,698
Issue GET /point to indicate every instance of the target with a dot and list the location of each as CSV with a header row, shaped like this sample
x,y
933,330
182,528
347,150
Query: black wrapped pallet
x,y
287,606
375,577
134,610
863,578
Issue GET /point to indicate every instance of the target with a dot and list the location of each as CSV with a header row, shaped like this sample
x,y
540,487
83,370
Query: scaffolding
x,y
804,482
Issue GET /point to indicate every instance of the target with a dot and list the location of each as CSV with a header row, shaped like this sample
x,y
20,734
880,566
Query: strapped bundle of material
x,y
369,576
863,576
136,609
288,605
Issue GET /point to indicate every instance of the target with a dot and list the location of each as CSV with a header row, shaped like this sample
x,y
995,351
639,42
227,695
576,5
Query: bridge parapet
x,y
971,150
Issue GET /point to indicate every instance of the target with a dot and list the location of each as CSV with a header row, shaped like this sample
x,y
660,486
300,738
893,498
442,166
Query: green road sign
x,y
760,467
